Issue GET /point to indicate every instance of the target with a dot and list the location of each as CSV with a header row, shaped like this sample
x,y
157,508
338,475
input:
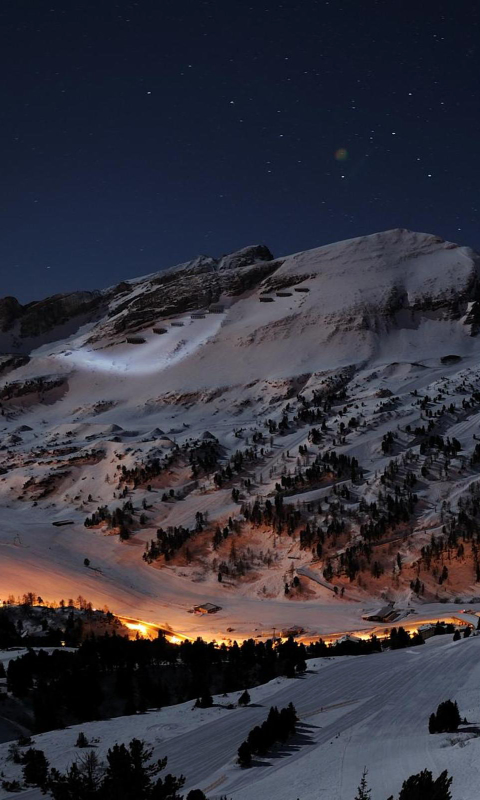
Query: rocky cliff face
x,y
188,293
374,284
10,310
197,283
40,317
194,285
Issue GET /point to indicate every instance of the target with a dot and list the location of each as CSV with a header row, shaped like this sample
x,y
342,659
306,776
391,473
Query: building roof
x,y
382,613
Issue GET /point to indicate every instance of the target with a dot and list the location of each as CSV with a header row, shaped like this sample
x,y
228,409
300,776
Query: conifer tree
x,y
363,792
205,701
244,699
82,740
35,767
244,755
130,773
446,720
423,787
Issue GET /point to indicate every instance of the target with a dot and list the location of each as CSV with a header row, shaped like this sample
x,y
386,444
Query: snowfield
x,y
378,316
367,349
362,711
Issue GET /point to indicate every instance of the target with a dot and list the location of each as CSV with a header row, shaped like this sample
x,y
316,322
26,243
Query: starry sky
x,y
136,135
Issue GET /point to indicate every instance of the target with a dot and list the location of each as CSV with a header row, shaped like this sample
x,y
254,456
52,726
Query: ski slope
x,y
354,712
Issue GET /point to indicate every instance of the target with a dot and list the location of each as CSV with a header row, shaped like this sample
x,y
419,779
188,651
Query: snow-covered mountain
x,y
192,393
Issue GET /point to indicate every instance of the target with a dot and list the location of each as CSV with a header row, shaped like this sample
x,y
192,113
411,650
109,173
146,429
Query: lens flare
x,y
341,154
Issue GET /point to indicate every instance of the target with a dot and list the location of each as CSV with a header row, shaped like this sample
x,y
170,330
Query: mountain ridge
x,y
37,317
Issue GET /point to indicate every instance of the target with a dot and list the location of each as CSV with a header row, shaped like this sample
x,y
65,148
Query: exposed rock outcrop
x,y
196,284
10,310
40,317
245,257
10,362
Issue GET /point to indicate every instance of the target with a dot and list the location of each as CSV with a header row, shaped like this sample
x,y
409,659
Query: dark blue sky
x,y
135,135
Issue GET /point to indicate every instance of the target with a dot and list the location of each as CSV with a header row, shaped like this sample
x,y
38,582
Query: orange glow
x,y
146,630
137,626
149,630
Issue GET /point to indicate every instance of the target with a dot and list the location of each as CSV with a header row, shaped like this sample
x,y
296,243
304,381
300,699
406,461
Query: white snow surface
x,y
223,372
354,712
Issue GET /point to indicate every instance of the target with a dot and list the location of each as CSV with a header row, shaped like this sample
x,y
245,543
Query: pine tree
x,y
446,720
130,774
82,740
255,739
68,786
91,773
363,792
205,701
35,767
244,755
289,669
244,699
423,787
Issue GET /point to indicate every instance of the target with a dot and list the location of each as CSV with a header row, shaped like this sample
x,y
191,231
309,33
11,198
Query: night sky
x,y
135,135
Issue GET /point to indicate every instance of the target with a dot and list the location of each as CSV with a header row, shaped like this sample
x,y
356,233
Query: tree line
x,y
129,773
111,675
277,728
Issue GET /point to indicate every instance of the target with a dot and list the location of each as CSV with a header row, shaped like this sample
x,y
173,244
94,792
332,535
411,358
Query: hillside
x,y
366,711
292,439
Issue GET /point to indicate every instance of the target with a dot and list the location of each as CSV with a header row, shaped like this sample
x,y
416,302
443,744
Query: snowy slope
x,y
380,314
354,712
367,298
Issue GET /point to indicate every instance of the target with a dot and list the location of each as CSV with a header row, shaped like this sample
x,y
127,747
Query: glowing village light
x,y
137,626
